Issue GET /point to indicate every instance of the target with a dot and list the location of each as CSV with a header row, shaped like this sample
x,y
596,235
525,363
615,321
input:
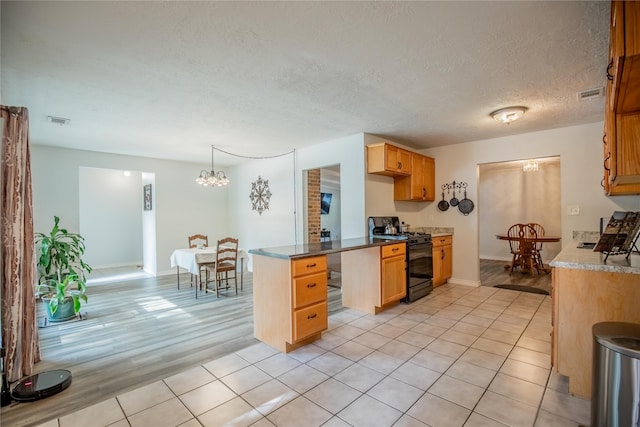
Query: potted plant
x,y
62,273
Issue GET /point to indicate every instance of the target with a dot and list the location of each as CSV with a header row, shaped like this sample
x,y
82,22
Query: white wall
x,y
275,226
283,223
181,206
149,235
348,152
111,216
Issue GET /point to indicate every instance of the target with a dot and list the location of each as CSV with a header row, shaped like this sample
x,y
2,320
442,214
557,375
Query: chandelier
x,y
212,178
530,166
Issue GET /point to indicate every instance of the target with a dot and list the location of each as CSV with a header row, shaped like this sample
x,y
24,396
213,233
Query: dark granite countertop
x,y
322,248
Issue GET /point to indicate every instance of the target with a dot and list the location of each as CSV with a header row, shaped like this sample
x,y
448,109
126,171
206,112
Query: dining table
x,y
527,245
191,259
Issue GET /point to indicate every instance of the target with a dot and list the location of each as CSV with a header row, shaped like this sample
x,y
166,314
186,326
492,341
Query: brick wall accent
x,y
313,204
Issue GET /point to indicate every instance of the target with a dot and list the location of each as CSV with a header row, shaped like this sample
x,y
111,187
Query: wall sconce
x,y
212,178
509,114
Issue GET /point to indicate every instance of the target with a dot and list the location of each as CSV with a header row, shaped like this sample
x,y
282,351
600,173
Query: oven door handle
x,y
420,246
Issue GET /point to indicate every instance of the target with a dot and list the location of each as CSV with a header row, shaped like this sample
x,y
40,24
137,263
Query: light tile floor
x,y
460,357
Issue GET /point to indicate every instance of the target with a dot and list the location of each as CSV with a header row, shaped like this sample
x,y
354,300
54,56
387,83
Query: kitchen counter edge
x,y
322,248
586,259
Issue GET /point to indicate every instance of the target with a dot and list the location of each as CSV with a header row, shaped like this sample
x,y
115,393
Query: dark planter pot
x,y
64,312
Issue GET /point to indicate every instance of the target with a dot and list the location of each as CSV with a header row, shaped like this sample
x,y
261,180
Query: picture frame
x,y
147,197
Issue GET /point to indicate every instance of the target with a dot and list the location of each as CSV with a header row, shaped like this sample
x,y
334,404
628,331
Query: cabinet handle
x,y
399,165
311,265
609,67
312,316
395,249
311,285
424,192
605,162
442,252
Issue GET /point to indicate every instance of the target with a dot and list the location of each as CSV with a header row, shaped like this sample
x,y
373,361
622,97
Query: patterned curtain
x,y
17,249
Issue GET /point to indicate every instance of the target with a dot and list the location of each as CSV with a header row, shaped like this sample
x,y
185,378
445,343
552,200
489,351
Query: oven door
x,y
419,263
419,271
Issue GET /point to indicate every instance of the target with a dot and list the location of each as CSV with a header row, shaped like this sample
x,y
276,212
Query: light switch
x,y
573,210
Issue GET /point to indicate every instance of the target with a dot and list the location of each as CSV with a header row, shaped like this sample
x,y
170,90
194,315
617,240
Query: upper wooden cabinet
x,y
622,108
414,176
421,184
389,160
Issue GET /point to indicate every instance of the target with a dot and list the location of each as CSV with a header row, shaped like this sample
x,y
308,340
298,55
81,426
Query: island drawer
x,y
300,267
309,321
309,289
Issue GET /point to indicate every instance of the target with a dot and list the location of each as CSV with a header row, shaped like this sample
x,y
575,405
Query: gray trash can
x,y
615,392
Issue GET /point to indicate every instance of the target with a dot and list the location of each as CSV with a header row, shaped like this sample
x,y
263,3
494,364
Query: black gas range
x,y
419,254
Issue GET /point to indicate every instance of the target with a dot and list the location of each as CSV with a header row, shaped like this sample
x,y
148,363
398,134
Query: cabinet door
x,y
394,279
420,185
427,189
623,165
422,178
397,160
447,255
442,259
438,278
389,160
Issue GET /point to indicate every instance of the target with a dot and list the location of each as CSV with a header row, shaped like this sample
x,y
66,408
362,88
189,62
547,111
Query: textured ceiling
x,y
168,79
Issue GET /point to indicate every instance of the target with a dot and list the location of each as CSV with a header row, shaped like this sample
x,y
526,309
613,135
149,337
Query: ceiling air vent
x,y
58,120
585,95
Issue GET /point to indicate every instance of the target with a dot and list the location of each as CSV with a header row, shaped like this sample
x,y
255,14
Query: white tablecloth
x,y
191,258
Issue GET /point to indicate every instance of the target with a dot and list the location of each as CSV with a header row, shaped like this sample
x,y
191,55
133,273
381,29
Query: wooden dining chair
x,y
514,245
537,246
226,264
195,241
521,246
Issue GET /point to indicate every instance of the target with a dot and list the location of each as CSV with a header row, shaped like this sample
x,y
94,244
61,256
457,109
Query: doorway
x,y
119,234
512,192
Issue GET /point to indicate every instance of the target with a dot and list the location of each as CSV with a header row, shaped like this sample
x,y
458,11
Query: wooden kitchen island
x,y
586,291
290,286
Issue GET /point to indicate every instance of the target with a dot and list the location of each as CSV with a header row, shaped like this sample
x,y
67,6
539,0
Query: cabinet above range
x,y
413,174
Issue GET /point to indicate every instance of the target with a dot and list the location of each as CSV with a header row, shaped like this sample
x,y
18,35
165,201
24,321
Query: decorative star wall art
x,y
260,195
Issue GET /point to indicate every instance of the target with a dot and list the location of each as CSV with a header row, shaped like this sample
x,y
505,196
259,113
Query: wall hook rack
x,y
465,206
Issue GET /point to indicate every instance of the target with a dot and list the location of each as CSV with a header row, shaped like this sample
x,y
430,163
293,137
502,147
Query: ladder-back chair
x,y
522,247
195,241
226,264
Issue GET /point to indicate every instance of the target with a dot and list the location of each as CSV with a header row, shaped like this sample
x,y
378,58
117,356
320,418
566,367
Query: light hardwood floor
x,y
143,330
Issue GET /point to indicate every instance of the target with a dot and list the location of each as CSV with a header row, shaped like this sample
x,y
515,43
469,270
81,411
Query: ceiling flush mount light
x,y
509,114
212,178
530,166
